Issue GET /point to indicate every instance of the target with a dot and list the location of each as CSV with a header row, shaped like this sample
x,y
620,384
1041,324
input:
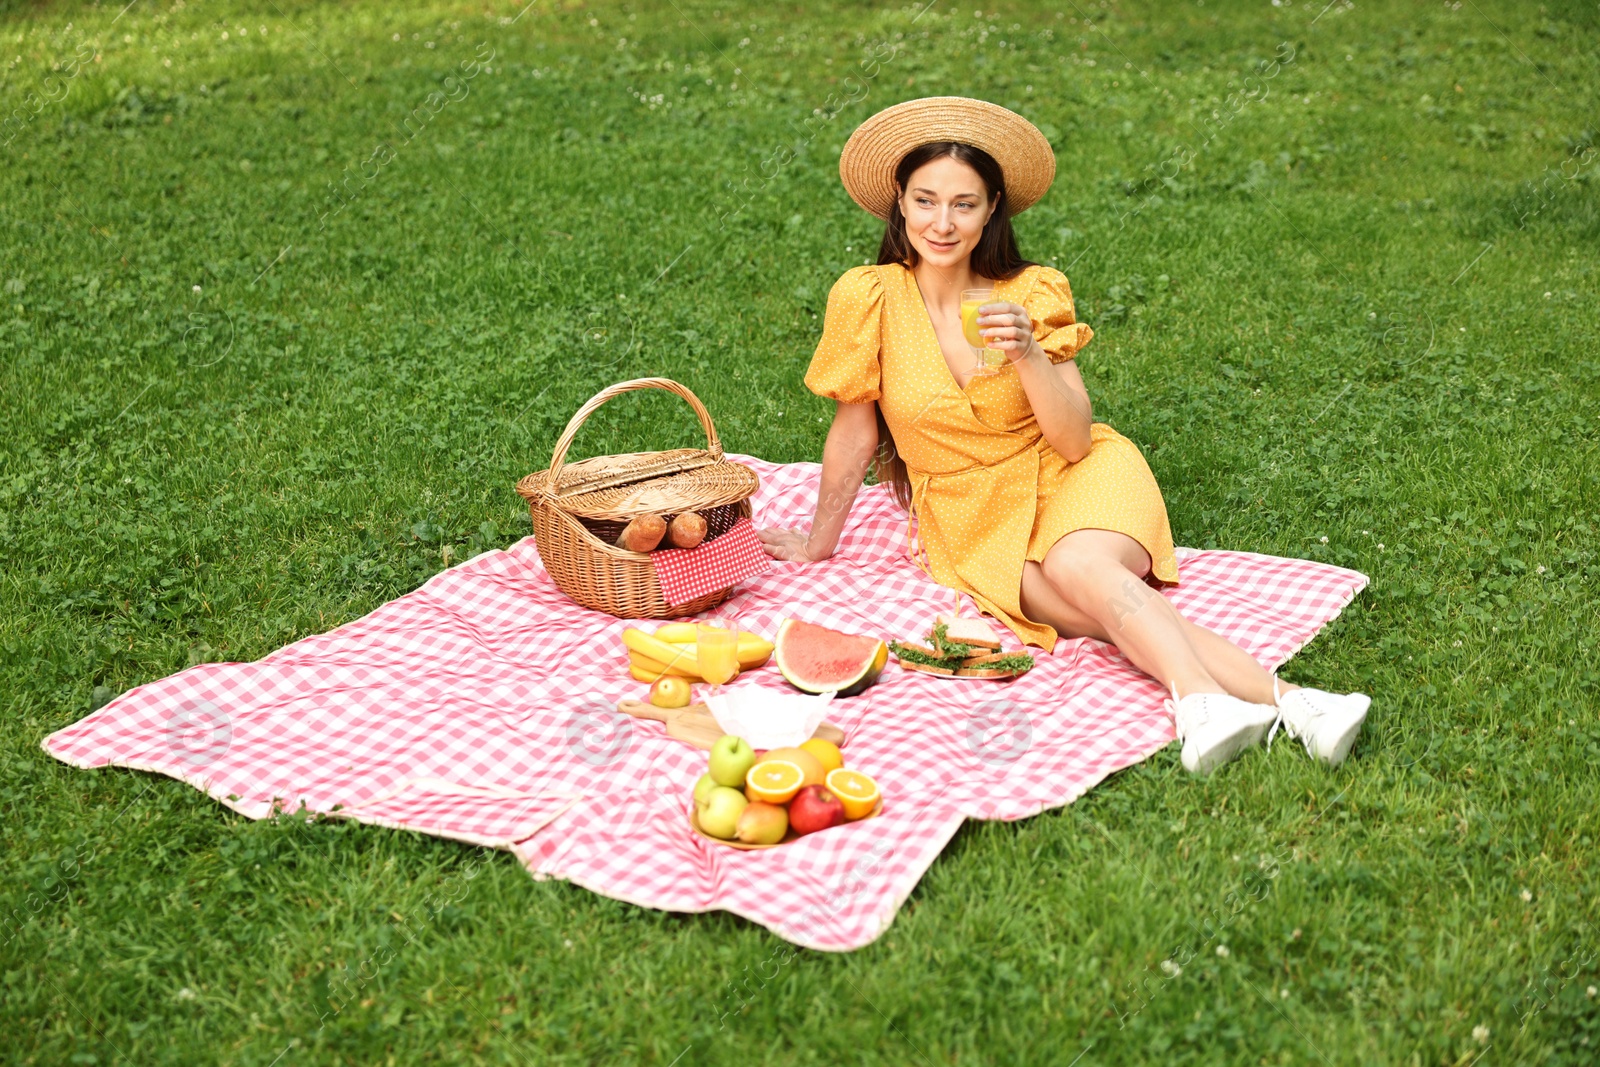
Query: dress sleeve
x,y
1055,325
845,366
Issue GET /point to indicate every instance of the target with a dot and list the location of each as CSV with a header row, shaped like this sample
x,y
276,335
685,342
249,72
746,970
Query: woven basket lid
x,y
623,487
870,157
650,483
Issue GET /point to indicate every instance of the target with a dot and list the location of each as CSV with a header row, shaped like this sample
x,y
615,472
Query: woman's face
x,y
945,205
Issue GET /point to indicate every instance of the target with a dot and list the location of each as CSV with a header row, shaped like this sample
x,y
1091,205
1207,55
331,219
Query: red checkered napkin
x,y
687,574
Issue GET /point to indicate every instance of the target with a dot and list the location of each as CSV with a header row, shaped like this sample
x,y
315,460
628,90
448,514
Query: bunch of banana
x,y
670,650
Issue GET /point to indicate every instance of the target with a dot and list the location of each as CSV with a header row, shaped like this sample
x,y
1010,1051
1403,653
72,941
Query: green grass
x,y
1348,317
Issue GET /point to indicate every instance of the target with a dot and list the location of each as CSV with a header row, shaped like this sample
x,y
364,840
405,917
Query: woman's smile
x,y
945,206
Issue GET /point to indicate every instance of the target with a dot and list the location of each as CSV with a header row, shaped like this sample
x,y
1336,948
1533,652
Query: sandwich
x,y
961,648
963,637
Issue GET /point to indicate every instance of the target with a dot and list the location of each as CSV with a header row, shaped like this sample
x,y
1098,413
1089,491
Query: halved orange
x,y
811,769
775,781
857,792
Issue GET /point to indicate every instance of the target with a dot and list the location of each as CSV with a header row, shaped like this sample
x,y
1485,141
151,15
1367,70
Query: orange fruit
x,y
810,766
827,753
857,792
773,781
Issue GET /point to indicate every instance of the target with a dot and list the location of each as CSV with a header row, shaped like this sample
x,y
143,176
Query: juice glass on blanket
x,y
990,360
716,643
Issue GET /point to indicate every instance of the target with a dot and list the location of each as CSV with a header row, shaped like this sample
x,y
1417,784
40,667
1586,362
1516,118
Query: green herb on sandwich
x,y
1011,661
949,647
922,658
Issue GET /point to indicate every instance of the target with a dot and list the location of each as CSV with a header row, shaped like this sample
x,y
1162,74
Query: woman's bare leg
x,y
1091,585
1238,671
1041,603
1097,574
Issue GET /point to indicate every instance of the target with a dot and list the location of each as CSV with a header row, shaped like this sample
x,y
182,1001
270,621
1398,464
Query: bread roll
x,y
687,530
642,534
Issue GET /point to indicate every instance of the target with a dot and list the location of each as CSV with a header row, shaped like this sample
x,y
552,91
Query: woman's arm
x,y
1056,392
846,458
1060,402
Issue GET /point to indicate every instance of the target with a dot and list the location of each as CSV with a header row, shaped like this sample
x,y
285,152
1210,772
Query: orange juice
x,y
989,359
717,651
969,322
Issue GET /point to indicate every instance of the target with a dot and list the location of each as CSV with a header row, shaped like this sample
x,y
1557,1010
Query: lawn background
x,y
1341,264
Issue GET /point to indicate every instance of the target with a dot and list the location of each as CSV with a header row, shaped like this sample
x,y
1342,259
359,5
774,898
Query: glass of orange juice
x,y
989,360
717,651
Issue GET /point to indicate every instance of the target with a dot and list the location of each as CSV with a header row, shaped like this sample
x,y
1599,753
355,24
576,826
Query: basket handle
x,y
559,456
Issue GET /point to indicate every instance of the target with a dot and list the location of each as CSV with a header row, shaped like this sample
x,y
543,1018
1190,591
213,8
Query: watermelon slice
x,y
819,660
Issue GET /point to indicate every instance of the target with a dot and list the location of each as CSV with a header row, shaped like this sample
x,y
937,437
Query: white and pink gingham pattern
x,y
481,707
687,574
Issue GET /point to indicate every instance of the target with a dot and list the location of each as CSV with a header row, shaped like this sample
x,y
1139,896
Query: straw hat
x,y
879,144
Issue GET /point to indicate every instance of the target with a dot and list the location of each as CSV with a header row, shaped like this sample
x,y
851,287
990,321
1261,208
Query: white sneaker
x,y
1327,723
1216,727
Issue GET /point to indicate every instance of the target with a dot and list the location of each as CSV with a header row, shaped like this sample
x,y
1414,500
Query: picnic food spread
x,y
757,799
749,799
961,648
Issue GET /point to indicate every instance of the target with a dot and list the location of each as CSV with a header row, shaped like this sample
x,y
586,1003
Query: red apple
x,y
813,809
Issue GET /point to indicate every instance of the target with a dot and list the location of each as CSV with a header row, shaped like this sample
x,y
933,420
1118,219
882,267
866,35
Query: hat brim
x,y
869,159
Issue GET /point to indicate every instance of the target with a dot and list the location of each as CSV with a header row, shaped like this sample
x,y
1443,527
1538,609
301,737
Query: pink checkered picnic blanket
x,y
481,707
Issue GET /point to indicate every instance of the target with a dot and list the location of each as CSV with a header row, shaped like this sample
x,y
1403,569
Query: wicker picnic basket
x,y
580,509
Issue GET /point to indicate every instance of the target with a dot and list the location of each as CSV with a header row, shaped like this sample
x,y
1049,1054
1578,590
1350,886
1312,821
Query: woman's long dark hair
x,y
996,256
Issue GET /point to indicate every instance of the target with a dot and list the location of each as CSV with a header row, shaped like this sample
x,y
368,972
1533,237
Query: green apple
x,y
720,816
731,759
703,787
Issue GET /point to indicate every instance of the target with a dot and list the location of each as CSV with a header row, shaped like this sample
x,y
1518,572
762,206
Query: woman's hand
x,y
1008,328
1059,399
846,458
785,544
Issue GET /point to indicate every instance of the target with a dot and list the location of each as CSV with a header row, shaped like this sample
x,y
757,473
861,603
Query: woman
x,y
1049,521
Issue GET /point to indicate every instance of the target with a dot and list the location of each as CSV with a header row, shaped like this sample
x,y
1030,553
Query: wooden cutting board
x,y
696,725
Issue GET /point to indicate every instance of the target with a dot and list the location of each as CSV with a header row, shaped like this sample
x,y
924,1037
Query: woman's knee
x,y
1080,575
1088,555
1042,602
1096,583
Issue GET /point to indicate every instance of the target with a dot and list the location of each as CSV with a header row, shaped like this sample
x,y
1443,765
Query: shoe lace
x,y
1274,731
1277,702
1194,715
1181,723
1304,732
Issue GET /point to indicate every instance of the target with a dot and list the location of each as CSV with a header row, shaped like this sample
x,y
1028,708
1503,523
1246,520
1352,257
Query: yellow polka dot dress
x,y
988,492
